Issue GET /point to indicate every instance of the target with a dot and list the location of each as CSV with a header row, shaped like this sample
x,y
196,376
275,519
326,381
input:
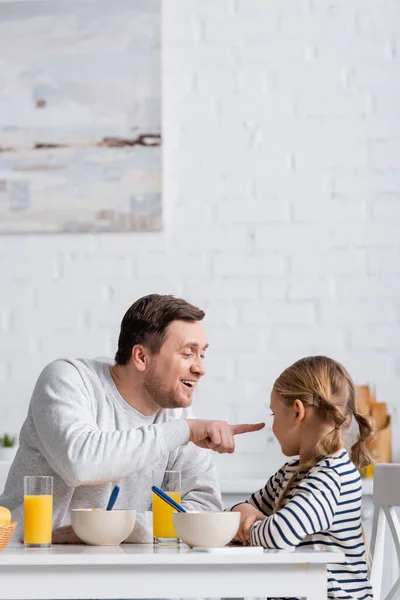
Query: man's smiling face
x,y
172,375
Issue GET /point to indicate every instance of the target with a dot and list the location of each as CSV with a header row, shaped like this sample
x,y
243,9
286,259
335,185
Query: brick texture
x,y
281,212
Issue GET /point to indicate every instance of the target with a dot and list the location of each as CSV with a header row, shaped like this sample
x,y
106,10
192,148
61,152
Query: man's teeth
x,y
188,382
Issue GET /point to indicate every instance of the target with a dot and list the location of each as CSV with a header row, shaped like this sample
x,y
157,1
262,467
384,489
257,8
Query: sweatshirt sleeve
x,y
74,446
310,509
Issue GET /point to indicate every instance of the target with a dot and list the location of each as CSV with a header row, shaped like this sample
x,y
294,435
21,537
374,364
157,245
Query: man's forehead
x,y
182,333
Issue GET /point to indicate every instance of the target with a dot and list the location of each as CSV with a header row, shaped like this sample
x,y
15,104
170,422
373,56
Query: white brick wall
x,y
282,214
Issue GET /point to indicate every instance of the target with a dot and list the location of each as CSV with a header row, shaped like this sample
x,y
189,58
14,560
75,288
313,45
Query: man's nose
x,y
198,368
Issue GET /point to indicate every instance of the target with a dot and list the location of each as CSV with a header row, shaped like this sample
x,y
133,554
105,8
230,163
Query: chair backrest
x,y
386,496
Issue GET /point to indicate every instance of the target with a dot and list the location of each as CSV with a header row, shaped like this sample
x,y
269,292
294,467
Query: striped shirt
x,y
322,510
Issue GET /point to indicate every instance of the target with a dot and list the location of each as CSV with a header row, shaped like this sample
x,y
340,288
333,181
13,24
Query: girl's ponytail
x,y
359,452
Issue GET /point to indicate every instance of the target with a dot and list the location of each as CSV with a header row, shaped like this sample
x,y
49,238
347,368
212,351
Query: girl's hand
x,y
65,535
248,516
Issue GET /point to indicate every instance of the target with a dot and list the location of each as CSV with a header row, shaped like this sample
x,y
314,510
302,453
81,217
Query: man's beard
x,y
162,397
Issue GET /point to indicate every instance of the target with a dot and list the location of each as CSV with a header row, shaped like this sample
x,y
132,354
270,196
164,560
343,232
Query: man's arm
x,y
74,446
82,454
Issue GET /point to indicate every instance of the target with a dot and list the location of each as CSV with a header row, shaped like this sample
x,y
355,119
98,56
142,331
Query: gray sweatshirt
x,y
81,431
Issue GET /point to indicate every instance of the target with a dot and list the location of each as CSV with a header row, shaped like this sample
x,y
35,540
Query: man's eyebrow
x,y
194,345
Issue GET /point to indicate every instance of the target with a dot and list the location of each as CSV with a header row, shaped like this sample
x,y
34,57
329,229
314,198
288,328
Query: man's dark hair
x,y
146,321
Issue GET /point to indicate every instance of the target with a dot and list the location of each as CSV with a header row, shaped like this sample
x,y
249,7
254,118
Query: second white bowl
x,y
207,529
102,527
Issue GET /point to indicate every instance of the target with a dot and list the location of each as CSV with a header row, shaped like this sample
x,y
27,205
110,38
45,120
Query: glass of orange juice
x,y
163,528
38,511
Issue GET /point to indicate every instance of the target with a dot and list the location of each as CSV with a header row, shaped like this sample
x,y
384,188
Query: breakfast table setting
x,y
192,555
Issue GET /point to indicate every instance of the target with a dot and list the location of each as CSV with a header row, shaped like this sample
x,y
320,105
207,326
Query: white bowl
x,y
102,527
207,529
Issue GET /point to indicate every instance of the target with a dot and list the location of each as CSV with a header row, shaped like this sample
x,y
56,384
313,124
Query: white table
x,y
144,571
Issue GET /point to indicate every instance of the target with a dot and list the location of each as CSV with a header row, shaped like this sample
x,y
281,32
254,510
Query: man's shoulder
x,y
70,370
80,365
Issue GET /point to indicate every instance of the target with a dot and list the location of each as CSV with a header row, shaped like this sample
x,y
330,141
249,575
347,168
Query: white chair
x,y
386,496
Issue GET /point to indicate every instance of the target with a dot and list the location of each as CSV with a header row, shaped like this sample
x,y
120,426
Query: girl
x,y
315,501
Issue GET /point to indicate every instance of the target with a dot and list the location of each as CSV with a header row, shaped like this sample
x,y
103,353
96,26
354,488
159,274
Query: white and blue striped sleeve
x,y
310,508
264,499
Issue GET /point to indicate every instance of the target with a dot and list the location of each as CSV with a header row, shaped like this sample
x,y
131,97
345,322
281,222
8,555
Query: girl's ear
x,y
299,411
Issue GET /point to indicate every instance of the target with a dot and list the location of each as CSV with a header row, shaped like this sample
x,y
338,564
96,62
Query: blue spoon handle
x,y
113,498
168,499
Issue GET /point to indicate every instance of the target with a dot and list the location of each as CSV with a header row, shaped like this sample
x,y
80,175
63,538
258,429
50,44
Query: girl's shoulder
x,y
286,471
336,466
339,464
291,465
339,460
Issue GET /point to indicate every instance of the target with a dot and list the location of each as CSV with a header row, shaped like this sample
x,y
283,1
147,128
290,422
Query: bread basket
x,y
6,533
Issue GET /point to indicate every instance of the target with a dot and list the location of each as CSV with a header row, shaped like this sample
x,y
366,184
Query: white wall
x,y
282,213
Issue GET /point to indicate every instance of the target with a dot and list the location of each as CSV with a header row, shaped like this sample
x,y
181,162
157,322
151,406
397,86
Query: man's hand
x,y
248,516
217,435
65,535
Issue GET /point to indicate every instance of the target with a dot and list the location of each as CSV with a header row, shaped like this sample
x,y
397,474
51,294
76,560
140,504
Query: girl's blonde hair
x,y
322,382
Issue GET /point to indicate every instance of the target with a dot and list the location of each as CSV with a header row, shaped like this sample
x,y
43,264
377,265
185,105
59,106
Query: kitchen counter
x,y
228,486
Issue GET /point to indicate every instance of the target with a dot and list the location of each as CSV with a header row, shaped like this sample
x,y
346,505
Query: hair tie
x,y
318,400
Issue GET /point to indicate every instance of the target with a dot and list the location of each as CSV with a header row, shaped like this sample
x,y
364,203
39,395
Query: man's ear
x,y
140,357
299,411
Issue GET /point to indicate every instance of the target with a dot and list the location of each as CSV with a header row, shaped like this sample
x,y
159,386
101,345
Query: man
x,y
91,424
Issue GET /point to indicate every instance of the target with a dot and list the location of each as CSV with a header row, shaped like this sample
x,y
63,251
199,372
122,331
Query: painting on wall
x,y
80,116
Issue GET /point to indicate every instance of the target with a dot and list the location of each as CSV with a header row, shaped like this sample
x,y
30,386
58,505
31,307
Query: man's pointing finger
x,y
246,428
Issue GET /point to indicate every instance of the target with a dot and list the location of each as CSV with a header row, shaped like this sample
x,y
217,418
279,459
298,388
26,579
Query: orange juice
x,y
38,517
162,516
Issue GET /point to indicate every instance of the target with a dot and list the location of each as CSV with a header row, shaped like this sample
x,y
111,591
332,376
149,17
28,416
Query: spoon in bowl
x,y
113,498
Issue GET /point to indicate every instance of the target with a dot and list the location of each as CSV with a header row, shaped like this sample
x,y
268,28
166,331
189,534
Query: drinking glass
x,y
163,527
38,511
